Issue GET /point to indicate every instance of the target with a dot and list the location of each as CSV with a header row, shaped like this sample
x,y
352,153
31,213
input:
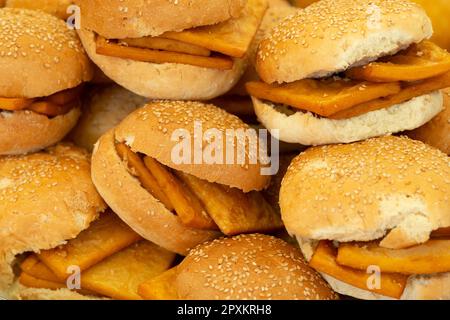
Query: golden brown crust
x,y
361,191
136,206
57,8
150,130
249,267
436,133
39,55
167,80
118,19
46,198
331,35
26,131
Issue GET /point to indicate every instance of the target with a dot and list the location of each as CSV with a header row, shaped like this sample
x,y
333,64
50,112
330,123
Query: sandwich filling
x,y
420,69
353,263
57,104
214,46
198,203
113,261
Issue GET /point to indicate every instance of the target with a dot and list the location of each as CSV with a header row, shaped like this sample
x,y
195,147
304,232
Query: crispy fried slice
x,y
232,37
188,207
323,97
161,287
430,257
324,260
66,96
50,109
234,212
120,275
138,169
409,92
32,282
441,233
420,61
35,268
14,104
103,238
158,43
157,56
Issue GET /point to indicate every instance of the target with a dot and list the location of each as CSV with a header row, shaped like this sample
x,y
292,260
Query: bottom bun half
x,y
167,80
308,129
418,287
26,131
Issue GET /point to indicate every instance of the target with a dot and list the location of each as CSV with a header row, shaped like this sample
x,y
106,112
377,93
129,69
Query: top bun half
x,y
157,128
332,35
392,188
118,19
39,55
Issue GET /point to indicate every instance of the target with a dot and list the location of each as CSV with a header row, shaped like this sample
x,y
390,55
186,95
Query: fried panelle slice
x,y
430,257
14,104
35,268
158,43
323,97
409,92
441,233
65,96
138,169
232,37
157,56
33,282
120,275
161,287
187,205
324,260
50,109
103,238
418,62
232,210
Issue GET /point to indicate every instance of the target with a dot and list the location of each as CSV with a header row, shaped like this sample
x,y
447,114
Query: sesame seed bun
x,y
26,131
307,129
45,199
136,206
149,131
39,55
392,188
103,110
436,132
57,8
166,80
249,267
118,19
330,36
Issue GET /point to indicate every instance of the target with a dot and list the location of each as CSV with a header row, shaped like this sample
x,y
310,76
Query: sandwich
x,y
244,267
436,133
58,239
348,70
42,70
153,171
47,198
178,50
375,217
103,109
